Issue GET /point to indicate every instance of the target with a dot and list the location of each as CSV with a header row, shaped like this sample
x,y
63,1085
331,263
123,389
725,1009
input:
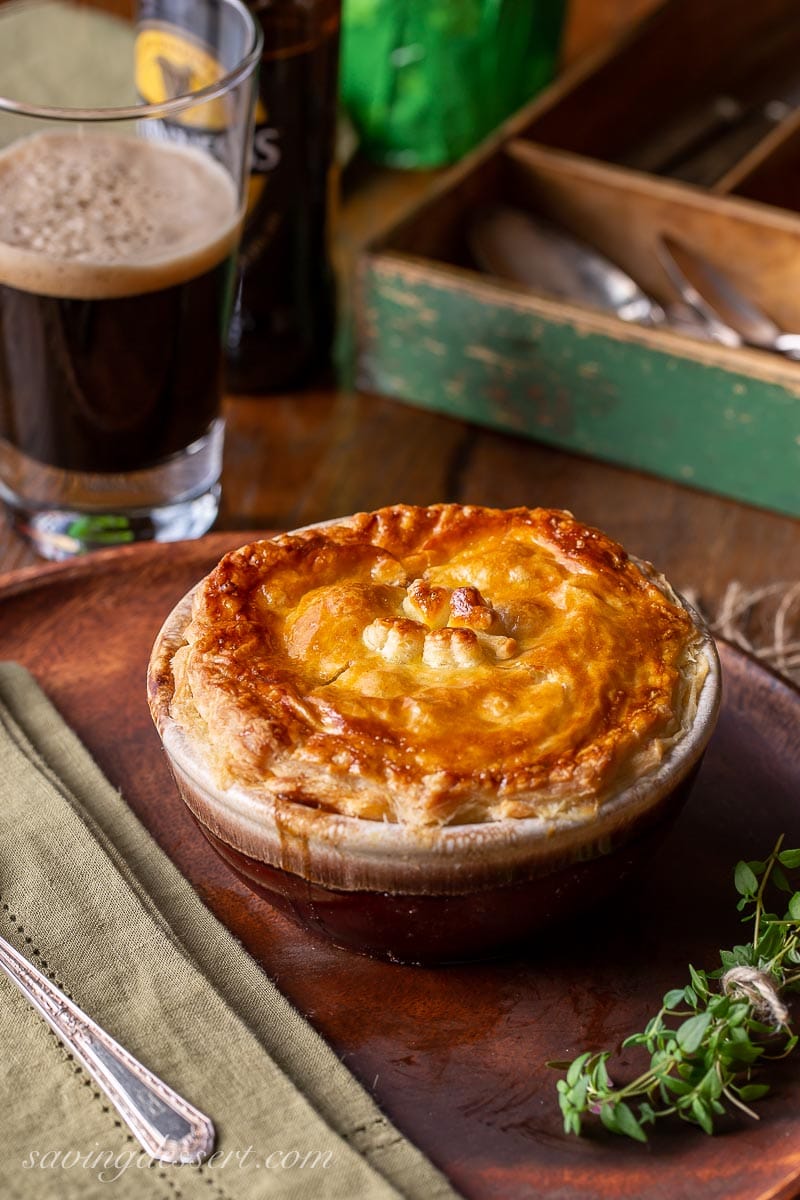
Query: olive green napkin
x,y
87,895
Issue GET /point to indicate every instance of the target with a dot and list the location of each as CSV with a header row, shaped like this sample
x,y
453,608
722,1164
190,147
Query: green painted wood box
x,y
436,332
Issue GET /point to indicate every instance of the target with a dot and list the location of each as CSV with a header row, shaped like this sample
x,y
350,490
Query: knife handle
x,y
166,1126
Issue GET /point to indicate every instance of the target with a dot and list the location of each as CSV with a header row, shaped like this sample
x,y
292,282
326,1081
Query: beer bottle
x,y
283,315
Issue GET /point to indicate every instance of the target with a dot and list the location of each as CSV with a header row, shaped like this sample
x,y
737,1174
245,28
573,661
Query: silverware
x,y
518,246
702,143
512,244
686,133
711,292
682,318
167,1126
707,165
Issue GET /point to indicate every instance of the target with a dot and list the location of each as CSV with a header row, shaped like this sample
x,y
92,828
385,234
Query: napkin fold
x,y
88,897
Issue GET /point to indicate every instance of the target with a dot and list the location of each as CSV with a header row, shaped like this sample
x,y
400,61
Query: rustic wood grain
x,y
770,172
361,451
590,23
309,456
496,354
456,1056
291,460
624,216
672,65
373,200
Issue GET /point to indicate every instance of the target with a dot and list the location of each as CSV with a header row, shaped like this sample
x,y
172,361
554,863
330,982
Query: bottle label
x,y
169,62
266,154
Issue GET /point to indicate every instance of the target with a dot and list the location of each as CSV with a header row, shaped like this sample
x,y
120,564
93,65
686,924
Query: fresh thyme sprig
x,y
707,1038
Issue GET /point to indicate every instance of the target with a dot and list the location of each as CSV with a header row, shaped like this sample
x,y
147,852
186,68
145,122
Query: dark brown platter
x,y
456,1056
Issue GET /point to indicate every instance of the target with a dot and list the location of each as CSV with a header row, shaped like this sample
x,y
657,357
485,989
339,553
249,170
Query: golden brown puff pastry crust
x,y
438,665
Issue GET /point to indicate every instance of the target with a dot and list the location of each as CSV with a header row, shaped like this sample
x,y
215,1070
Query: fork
x,y
169,1128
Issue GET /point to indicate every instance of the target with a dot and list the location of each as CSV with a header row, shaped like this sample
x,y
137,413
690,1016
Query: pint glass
x,y
119,224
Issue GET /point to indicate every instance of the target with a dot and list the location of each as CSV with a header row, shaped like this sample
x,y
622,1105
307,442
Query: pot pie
x,y
436,667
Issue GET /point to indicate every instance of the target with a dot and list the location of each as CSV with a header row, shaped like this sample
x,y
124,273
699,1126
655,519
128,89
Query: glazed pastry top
x,y
432,666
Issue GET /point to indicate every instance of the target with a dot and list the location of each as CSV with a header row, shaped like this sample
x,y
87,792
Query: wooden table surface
x,y
293,459
298,458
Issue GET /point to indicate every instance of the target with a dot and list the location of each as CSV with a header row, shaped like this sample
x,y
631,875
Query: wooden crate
x,y
436,332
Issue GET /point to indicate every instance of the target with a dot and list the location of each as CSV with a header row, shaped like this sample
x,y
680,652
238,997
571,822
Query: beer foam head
x,y
93,215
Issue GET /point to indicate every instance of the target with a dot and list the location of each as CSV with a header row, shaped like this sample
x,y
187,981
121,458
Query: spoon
x,y
713,295
515,245
512,244
166,1126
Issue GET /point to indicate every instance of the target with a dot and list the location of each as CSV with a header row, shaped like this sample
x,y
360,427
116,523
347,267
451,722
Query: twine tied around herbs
x,y
759,990
764,621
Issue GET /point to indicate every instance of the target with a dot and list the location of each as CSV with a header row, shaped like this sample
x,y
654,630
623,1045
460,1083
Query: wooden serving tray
x,y
456,1056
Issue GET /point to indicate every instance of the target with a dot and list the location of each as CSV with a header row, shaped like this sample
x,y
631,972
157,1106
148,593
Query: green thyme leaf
x,y
780,879
701,1112
574,1072
627,1123
745,879
699,981
704,1044
753,1091
691,1032
673,998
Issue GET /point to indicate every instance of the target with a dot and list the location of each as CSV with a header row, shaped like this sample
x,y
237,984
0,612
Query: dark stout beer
x,y
116,260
